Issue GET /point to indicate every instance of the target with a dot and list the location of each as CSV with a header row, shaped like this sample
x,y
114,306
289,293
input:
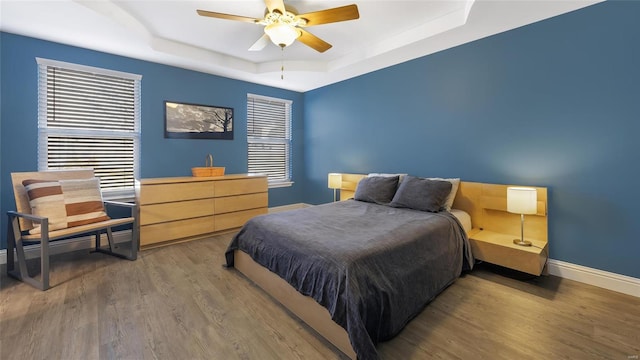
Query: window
x,y
269,138
90,117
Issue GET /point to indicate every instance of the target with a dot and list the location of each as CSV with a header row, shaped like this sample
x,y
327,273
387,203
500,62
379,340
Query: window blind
x,y
89,117
269,138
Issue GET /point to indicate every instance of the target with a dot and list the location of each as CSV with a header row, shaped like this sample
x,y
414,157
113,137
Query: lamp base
x,y
522,242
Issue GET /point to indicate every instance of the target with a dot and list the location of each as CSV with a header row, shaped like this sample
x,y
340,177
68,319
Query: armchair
x,y
58,204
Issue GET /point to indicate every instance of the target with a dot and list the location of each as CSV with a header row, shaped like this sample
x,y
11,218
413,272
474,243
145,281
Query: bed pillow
x,y
455,183
376,189
46,200
67,203
421,194
400,176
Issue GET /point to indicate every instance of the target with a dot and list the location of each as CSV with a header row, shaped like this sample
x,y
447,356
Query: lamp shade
x,y
281,34
335,180
522,200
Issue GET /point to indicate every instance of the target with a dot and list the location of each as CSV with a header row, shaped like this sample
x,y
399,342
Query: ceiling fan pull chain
x,y
282,64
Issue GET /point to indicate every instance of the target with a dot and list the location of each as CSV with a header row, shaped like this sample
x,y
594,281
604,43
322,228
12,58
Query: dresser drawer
x,y
158,233
241,186
158,213
240,202
236,219
161,193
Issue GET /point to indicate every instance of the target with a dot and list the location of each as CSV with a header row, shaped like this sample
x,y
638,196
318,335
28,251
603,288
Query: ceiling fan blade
x,y
275,5
227,16
313,41
260,44
343,13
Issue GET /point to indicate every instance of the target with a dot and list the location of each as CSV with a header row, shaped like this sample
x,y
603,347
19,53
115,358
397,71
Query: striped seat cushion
x,y
67,203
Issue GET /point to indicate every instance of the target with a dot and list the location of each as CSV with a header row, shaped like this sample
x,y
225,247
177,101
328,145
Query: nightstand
x,y
499,249
494,228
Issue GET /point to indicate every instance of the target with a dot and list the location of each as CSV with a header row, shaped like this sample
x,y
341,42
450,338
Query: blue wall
x,y
555,104
159,156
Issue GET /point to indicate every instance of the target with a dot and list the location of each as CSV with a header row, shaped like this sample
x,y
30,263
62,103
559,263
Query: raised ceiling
x,y
171,32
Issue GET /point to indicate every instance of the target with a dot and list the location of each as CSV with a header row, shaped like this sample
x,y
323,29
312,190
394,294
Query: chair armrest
x,y
15,224
31,217
115,205
119,203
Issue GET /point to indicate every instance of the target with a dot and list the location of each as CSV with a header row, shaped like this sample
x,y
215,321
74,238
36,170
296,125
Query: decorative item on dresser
x,y
178,209
208,170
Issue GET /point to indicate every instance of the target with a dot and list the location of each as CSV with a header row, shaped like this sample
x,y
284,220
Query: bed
x,y
355,271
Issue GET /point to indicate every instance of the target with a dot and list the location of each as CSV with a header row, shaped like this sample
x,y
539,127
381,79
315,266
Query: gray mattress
x,y
372,266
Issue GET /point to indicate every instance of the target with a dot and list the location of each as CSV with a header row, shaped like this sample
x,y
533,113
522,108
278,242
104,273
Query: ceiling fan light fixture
x,y
281,34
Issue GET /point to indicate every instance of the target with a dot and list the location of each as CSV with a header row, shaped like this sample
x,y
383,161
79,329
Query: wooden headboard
x,y
486,204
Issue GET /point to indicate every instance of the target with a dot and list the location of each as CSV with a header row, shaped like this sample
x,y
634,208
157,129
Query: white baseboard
x,y
604,279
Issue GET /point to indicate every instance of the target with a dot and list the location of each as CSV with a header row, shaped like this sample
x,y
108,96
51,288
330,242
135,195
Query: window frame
x,y
44,130
287,141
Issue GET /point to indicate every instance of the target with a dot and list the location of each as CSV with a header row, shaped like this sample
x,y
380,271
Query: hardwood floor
x,y
178,302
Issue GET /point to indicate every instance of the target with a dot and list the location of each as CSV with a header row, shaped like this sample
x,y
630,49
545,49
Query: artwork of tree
x,y
198,121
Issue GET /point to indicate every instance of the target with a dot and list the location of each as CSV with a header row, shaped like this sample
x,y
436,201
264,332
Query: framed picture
x,y
193,121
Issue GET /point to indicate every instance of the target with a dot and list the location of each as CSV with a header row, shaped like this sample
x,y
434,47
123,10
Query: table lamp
x,y
335,182
522,200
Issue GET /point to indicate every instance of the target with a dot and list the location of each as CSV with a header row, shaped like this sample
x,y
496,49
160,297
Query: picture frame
x,y
195,121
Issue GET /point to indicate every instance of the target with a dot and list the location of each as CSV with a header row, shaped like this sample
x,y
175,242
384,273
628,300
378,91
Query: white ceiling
x,y
170,32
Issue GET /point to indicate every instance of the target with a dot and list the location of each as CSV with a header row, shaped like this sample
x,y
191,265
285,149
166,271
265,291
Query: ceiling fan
x,y
283,24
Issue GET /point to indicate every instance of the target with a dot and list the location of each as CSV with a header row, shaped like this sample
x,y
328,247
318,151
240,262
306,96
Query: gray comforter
x,y
372,266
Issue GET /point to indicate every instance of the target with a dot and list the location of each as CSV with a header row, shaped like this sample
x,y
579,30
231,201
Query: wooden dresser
x,y
178,209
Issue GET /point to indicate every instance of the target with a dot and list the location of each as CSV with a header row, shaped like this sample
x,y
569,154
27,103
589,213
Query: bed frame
x,y
485,203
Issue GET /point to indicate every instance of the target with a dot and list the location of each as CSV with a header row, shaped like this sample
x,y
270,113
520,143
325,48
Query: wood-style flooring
x,y
178,302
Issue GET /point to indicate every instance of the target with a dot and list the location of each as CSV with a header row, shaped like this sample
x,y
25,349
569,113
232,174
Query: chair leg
x,y
23,273
135,240
98,240
22,261
111,247
12,227
14,242
44,257
110,239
